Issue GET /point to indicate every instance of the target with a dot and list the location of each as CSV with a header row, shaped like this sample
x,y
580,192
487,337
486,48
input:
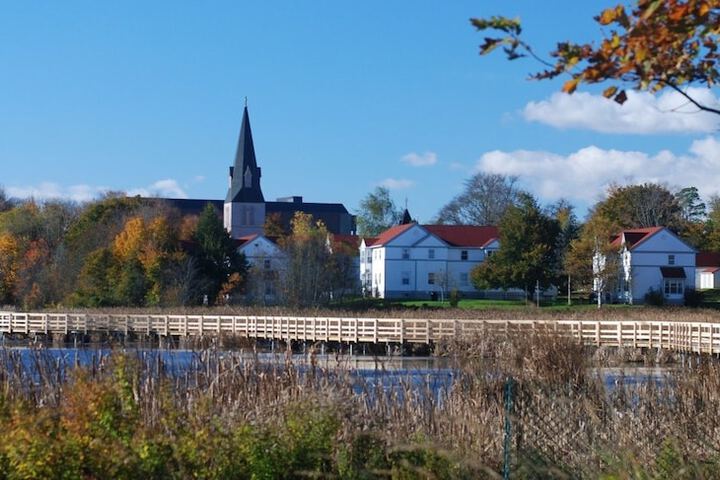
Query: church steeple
x,y
245,174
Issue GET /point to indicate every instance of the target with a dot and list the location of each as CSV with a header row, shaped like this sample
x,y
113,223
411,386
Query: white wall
x,y
408,256
647,258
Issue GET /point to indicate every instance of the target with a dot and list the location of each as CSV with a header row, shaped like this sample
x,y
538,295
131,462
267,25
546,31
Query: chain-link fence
x,y
626,431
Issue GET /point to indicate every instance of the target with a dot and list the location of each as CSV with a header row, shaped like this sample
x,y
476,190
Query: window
x,y
266,264
464,279
489,253
405,253
674,286
463,255
671,259
431,253
431,278
406,278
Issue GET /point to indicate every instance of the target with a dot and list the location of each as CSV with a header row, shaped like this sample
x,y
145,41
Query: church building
x,y
245,210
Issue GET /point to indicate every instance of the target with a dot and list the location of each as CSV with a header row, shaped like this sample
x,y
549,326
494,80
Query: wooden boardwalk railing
x,y
678,336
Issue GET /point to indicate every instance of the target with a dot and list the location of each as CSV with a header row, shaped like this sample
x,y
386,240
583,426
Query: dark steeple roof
x,y
406,218
245,174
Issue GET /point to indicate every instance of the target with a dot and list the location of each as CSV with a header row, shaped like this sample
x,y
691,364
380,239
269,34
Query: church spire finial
x,y
245,102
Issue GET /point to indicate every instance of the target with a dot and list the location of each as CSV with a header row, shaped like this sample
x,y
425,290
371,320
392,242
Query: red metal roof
x,y
454,235
391,233
634,236
464,235
370,241
707,259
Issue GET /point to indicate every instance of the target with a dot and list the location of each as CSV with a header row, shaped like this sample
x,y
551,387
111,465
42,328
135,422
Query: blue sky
x,y
147,97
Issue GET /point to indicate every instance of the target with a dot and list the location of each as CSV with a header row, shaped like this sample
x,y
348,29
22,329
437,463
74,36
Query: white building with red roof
x,y
416,261
707,273
267,262
652,258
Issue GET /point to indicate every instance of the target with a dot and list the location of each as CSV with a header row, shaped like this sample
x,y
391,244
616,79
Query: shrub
x,y
693,298
454,297
654,298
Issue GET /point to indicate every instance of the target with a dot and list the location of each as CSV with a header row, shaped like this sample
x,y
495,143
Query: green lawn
x,y
710,299
467,304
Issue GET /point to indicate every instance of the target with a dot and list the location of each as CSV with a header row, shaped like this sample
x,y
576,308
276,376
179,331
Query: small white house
x,y
267,261
707,273
651,259
412,261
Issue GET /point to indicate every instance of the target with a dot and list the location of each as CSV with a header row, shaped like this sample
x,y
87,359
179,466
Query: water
x,y
367,374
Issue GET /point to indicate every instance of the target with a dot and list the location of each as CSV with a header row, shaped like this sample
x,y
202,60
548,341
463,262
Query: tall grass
x,y
668,313
126,415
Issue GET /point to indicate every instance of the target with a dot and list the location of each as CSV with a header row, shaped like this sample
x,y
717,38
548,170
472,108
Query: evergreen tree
x,y
528,250
216,255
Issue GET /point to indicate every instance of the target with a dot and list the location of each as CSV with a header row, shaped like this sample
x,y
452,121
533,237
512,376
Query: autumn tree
x,y
343,276
569,229
482,202
625,207
144,249
640,206
377,213
304,279
273,226
96,282
9,266
527,254
653,45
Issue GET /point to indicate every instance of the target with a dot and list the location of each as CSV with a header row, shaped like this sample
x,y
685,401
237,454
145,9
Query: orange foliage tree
x,y
654,45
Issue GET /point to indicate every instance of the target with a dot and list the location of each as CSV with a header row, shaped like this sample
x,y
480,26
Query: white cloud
x,y
585,174
162,188
396,183
84,193
427,159
642,113
51,190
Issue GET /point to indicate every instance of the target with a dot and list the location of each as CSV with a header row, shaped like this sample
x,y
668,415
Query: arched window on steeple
x,y
247,178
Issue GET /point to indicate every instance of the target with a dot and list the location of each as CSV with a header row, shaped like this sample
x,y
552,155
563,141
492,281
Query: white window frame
x,y
431,253
673,287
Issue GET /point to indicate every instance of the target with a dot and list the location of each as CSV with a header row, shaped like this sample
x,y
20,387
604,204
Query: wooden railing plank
x,y
679,336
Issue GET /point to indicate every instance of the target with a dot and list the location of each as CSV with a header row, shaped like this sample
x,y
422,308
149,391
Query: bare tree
x,y
483,202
